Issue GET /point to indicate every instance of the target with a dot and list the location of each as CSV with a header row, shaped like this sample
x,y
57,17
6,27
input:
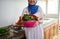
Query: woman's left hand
x,y
36,23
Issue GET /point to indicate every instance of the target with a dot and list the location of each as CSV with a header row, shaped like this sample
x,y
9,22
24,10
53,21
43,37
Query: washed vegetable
x,y
30,20
3,31
27,17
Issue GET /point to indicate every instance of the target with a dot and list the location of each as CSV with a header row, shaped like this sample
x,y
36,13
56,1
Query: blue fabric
x,y
32,9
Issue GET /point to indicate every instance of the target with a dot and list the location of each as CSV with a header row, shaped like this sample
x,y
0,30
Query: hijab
x,y
32,9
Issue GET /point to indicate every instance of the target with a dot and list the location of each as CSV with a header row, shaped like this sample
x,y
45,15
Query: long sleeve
x,y
24,11
40,15
19,22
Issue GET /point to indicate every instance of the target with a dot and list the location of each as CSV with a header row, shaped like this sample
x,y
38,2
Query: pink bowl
x,y
29,23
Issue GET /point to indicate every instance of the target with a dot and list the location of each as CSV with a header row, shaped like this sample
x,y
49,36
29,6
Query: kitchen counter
x,y
50,28
49,21
14,35
21,34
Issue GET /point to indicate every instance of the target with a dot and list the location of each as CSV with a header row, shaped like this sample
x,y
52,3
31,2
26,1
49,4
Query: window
x,y
52,7
49,6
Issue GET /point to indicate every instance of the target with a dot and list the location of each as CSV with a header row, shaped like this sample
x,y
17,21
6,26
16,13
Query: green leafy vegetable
x,y
28,17
3,31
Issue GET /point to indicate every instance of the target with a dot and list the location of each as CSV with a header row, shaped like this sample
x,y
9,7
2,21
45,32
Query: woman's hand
x,y
36,23
40,20
19,22
15,24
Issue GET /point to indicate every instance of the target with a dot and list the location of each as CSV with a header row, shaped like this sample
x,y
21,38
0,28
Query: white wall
x,y
10,10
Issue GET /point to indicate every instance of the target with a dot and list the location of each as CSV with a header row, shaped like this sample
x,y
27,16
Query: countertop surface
x,y
21,34
13,34
49,21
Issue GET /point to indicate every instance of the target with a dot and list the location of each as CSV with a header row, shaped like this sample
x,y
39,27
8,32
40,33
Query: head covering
x,y
32,8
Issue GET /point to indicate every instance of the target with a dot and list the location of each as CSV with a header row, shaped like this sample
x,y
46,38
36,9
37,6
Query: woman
x,y
35,32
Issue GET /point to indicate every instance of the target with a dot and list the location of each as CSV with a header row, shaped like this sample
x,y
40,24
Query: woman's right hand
x,y
15,24
19,22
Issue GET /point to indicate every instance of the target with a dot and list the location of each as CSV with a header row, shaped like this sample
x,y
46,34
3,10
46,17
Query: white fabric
x,y
36,32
